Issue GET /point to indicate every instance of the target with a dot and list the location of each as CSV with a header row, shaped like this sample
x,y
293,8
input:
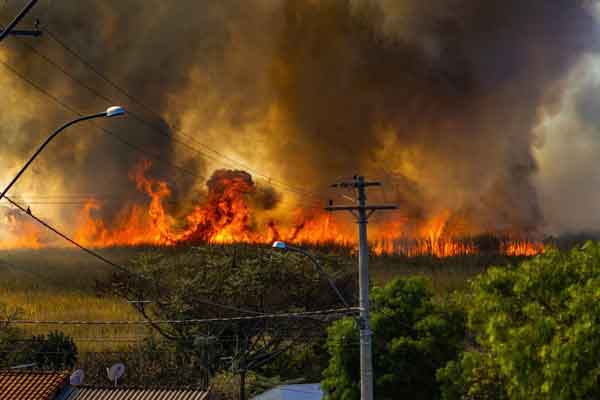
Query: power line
x,y
153,351
67,238
133,99
343,311
156,129
123,269
191,339
258,315
112,134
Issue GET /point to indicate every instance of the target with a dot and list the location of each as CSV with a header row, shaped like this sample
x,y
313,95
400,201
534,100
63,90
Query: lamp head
x,y
279,245
115,111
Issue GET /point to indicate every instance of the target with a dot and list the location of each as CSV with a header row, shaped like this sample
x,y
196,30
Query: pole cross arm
x,y
341,208
366,208
363,211
11,26
23,32
354,184
381,207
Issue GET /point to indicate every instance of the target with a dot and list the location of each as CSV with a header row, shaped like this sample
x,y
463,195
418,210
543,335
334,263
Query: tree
x,y
413,337
54,351
10,338
474,376
537,331
231,281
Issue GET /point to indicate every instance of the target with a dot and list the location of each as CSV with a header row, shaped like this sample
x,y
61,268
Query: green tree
x,y
474,376
537,331
11,338
54,351
413,337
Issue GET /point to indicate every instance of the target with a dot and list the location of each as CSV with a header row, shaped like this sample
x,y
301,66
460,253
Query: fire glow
x,y
227,215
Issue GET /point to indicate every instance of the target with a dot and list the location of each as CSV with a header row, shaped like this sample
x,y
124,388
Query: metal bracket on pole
x,y
9,30
24,32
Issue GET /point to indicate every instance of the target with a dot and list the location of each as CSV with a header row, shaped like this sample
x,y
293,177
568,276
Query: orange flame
x,y
21,234
522,248
225,216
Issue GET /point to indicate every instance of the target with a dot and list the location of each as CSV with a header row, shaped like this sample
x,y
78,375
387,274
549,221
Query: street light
x,y
279,245
110,112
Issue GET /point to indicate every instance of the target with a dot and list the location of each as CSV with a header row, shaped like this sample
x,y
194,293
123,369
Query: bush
x,y
54,351
537,331
413,337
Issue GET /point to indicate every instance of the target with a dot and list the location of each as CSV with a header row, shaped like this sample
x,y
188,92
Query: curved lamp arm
x,y
286,247
110,112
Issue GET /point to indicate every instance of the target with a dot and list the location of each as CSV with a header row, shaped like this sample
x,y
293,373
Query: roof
x,y
310,391
91,393
30,385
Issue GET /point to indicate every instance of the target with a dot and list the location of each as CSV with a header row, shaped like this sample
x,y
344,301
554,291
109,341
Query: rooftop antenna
x,y
115,372
77,377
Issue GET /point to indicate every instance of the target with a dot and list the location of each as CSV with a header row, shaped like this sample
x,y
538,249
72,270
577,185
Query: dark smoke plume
x,y
441,98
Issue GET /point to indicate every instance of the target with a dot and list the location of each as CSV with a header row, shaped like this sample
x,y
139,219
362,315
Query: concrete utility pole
x,y
9,30
363,211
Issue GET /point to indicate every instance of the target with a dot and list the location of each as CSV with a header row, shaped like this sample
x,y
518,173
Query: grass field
x,y
59,284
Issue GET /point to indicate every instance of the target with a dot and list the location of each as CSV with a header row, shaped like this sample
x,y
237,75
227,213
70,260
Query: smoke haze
x,y
448,101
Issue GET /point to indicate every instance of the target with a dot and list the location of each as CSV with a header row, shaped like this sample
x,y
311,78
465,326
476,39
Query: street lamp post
x,y
286,247
110,112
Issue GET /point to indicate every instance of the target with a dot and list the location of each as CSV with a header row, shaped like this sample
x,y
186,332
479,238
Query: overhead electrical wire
x,y
218,156
192,321
67,238
137,148
258,315
112,134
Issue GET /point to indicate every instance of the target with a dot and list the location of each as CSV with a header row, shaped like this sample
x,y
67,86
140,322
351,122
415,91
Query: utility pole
x,y
9,30
362,212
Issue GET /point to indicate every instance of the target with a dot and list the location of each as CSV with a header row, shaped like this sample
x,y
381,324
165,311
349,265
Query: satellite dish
x,y
115,372
77,377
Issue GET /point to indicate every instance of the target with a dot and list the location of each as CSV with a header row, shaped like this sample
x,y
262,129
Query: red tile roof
x,y
29,385
91,393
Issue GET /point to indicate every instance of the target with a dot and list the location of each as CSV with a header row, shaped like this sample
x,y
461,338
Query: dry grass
x,y
59,285
45,305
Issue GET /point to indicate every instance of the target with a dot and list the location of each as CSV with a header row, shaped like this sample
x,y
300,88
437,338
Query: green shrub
x,y
413,337
537,330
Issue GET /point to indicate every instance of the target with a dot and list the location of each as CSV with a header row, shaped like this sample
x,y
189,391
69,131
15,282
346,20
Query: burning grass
x,y
237,210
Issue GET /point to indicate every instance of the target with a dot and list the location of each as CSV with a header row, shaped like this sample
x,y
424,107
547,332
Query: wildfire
x,y
227,214
20,234
522,248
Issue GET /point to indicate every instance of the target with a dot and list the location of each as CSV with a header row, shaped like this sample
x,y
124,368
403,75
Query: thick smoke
x,y
440,98
223,180
449,99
